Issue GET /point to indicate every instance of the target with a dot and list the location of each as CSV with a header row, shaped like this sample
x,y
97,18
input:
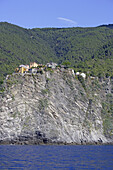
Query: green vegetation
x,y
70,83
14,115
86,49
43,103
2,89
66,63
107,114
81,79
12,81
45,91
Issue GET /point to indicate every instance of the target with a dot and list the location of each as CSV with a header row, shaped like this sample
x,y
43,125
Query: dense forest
x,y
87,49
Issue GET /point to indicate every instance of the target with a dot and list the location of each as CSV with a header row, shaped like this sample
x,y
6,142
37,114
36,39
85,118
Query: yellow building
x,y
22,69
33,64
27,67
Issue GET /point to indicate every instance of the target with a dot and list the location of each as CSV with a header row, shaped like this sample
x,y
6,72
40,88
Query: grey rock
x,y
56,107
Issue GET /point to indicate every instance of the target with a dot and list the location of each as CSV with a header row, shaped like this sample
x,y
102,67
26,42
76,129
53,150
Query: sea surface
x,y
56,157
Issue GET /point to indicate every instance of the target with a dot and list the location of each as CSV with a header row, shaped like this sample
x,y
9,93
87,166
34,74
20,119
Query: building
x,y
33,64
83,75
27,67
77,73
34,67
51,65
33,70
22,68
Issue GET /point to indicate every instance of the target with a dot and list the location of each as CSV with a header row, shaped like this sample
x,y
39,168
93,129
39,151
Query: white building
x,y
83,75
51,65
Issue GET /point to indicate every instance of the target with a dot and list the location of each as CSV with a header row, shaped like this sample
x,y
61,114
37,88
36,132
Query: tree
x,y
66,63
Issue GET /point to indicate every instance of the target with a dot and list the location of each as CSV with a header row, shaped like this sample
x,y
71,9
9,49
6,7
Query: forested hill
x,y
87,49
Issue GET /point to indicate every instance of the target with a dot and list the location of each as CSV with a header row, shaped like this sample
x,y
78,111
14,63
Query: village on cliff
x,y
33,67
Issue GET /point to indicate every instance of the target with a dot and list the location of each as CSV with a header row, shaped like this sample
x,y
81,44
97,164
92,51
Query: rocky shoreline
x,y
23,140
44,143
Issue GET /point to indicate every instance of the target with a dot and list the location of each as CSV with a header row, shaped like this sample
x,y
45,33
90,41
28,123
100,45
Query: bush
x,y
81,79
43,103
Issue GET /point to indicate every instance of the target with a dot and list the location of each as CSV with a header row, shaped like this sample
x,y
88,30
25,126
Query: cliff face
x,y
56,107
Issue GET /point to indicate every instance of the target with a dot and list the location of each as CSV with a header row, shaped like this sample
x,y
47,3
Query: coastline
x,y
36,142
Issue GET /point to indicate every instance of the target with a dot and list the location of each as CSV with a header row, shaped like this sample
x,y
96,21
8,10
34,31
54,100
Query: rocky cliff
x,y
56,107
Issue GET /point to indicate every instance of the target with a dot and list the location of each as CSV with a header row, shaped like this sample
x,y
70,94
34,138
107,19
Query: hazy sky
x,y
56,13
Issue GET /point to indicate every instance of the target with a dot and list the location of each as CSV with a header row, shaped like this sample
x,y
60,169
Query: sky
x,y
56,13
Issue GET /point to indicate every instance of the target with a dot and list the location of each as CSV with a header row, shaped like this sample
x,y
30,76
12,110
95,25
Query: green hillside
x,y
88,49
19,46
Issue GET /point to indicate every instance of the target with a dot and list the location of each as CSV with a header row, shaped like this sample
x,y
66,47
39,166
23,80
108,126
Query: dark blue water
x,y
56,157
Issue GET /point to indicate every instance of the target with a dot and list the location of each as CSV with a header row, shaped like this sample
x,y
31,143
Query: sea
x,y
50,157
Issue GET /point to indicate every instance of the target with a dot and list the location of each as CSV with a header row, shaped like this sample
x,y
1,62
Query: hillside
x,y
17,46
88,49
